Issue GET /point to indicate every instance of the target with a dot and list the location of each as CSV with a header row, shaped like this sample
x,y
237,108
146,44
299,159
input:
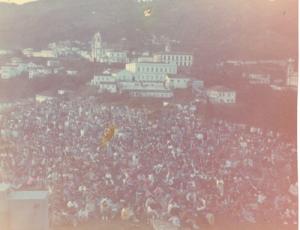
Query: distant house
x,y
197,87
5,105
177,81
44,54
292,75
276,87
4,52
11,70
124,75
145,58
45,96
108,87
141,1
72,72
197,84
259,79
85,54
16,67
53,63
28,52
221,95
115,56
39,71
105,76
105,82
152,93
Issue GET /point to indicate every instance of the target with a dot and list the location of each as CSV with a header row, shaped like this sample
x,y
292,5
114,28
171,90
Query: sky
x,y
17,1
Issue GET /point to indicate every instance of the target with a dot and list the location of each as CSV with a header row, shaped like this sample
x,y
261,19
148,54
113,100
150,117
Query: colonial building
x,y
147,79
151,71
180,59
143,79
221,95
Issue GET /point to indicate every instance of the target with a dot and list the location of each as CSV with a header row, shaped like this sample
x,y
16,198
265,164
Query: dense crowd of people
x,y
168,165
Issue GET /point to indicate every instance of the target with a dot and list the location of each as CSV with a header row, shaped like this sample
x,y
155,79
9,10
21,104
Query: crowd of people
x,y
169,165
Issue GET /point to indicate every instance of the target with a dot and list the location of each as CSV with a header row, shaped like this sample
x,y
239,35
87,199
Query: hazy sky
x,y
17,1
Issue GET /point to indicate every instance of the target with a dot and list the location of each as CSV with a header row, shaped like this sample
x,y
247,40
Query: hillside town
x,y
142,74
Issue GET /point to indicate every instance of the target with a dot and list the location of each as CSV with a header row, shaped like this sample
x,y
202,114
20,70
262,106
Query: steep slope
x,y
214,29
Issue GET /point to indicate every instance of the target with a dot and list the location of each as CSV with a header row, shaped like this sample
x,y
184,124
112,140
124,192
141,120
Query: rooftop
x,y
48,93
220,88
28,195
153,63
174,53
108,72
4,187
161,90
177,76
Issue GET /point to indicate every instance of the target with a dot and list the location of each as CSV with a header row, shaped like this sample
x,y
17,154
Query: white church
x,y
105,55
